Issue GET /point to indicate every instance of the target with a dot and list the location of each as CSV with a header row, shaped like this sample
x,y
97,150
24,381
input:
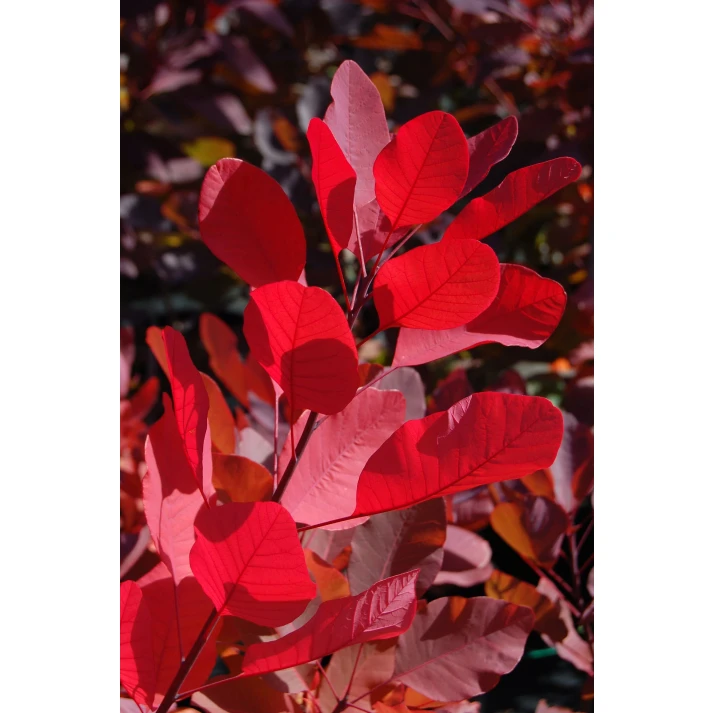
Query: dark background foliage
x,y
200,81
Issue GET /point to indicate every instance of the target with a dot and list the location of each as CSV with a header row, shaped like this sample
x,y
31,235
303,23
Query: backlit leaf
x,y
381,612
248,222
483,439
422,171
437,286
243,480
301,338
249,561
331,583
137,662
466,561
519,192
221,343
524,313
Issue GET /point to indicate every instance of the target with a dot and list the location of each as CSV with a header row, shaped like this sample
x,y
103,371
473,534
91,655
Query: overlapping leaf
x,y
190,401
248,222
458,648
524,313
221,343
466,559
488,148
334,181
438,286
357,120
301,338
170,493
382,611
396,542
484,438
249,561
519,192
423,170
323,485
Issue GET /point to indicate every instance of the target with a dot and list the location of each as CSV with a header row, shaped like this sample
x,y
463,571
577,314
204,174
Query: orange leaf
x,y
243,480
220,418
533,527
331,583
155,342
222,346
383,37
503,586
540,483
386,90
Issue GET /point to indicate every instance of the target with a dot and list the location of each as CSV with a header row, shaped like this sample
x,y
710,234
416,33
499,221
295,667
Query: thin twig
x,y
301,445
356,664
326,678
274,441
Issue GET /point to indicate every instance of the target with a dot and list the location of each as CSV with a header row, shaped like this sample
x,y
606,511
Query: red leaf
x,y
519,192
382,611
334,180
323,485
249,561
358,122
524,313
301,338
488,148
248,222
423,170
171,497
458,648
137,665
396,542
466,561
159,591
220,417
437,286
190,400
483,439
374,227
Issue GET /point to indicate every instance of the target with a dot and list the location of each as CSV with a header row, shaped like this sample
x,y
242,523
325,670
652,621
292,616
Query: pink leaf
x,y
248,222
323,485
190,400
382,611
436,286
409,383
488,148
158,591
458,648
374,227
248,559
300,336
396,542
171,497
358,122
423,170
137,663
467,559
519,192
334,180
483,439
524,313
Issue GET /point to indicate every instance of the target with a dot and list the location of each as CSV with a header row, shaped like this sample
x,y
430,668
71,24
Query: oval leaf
x,y
324,483
334,180
519,192
248,222
382,611
221,343
436,286
358,122
301,338
458,648
423,170
524,313
483,439
248,559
